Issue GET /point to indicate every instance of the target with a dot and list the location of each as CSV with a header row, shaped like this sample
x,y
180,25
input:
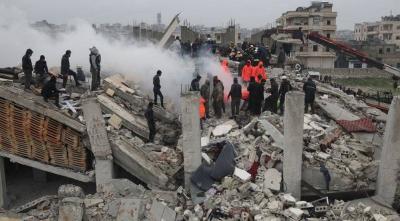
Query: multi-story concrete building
x,y
319,17
388,30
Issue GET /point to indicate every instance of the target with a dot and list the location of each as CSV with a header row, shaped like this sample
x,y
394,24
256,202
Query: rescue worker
x,y
259,70
202,111
27,68
149,115
247,72
309,89
252,94
259,96
65,69
176,46
50,90
205,94
41,71
195,84
283,89
95,59
218,97
157,89
224,66
236,94
281,58
271,101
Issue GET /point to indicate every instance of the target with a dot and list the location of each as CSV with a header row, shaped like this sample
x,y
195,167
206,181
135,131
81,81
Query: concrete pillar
x,y
3,192
104,170
390,156
293,142
190,102
39,175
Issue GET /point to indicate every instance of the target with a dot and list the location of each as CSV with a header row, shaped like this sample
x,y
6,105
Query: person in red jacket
x,y
247,72
259,70
202,111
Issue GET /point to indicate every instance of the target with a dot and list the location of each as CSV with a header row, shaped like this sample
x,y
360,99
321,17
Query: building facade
x,y
388,30
319,17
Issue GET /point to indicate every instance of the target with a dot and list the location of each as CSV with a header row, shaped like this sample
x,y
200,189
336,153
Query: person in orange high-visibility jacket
x,y
224,66
202,111
247,71
202,108
259,70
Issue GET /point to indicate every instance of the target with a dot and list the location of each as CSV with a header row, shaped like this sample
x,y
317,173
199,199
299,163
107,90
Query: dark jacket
x,y
236,91
49,88
195,85
259,91
156,82
274,89
205,91
149,114
309,89
96,65
285,87
65,64
27,63
41,67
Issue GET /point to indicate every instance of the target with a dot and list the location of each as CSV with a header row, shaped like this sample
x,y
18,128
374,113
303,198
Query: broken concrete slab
x,y
272,179
221,130
71,209
273,132
135,162
115,121
130,209
162,212
335,111
136,124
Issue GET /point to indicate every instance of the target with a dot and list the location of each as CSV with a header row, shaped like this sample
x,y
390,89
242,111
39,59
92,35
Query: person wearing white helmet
x,y
95,59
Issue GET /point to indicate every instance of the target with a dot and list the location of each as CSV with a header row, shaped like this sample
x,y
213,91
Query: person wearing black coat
x,y
41,71
65,69
252,94
27,68
309,89
195,84
271,102
149,114
50,90
259,97
236,94
284,88
157,88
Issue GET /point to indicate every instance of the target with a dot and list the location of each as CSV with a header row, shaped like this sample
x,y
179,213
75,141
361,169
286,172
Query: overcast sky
x,y
248,13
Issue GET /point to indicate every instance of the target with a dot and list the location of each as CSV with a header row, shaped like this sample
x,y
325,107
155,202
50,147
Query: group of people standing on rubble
x,y
47,80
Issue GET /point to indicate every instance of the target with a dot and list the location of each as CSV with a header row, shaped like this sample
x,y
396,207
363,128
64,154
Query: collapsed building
x,y
251,168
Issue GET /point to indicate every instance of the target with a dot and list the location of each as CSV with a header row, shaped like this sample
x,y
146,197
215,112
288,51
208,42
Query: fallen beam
x,y
273,131
48,168
96,129
36,104
136,163
117,84
135,124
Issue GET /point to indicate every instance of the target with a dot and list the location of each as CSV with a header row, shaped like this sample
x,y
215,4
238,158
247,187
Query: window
x,y
328,22
328,35
327,49
398,37
316,20
301,49
380,51
398,65
388,50
315,47
398,27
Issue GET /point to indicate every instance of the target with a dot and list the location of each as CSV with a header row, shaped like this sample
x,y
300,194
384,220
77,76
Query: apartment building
x,y
388,30
319,17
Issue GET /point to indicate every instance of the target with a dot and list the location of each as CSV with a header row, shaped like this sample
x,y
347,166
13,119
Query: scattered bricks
x,y
115,122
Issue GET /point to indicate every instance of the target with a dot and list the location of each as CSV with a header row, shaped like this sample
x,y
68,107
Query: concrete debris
x,y
241,174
